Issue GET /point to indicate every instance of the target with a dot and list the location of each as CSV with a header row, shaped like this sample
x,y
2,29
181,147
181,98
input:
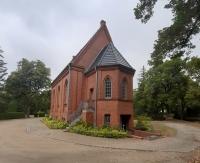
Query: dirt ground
x,y
30,141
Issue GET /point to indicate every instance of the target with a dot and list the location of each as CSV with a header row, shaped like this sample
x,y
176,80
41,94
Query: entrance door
x,y
124,121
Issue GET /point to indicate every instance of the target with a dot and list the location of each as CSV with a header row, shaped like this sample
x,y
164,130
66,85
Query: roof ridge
x,y
104,53
123,58
112,45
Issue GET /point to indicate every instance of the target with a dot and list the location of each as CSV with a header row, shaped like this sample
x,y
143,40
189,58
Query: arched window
x,y
124,89
58,96
53,100
107,88
66,92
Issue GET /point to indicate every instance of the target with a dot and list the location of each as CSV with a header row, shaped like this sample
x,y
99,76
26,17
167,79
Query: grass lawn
x,y
164,130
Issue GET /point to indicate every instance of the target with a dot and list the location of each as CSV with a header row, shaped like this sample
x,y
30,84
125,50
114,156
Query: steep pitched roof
x,y
109,56
104,28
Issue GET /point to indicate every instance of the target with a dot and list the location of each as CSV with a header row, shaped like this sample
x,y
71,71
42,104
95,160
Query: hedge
x,y
11,115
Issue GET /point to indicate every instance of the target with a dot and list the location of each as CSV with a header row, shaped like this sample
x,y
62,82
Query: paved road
x,y
29,141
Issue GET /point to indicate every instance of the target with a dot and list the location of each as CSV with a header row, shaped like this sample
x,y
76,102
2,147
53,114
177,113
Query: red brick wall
x,y
59,107
114,106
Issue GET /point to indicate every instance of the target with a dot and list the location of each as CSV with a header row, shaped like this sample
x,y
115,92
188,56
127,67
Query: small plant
x,y
54,124
143,123
108,132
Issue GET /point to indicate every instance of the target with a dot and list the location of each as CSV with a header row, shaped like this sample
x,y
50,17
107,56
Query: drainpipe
x,y
95,119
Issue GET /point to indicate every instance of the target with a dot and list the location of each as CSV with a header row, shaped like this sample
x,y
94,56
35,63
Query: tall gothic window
x,y
66,92
107,88
58,96
124,89
53,100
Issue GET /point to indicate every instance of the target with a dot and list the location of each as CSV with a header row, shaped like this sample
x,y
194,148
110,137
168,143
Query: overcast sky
x,y
55,30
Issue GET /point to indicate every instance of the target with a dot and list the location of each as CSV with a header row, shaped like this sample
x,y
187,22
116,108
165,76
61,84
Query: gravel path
x,y
30,141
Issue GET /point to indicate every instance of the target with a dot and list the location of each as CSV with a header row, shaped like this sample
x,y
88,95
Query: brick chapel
x,y
96,85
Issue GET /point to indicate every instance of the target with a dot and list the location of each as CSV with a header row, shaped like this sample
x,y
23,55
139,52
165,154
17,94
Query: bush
x,y
11,115
40,114
85,129
54,124
143,123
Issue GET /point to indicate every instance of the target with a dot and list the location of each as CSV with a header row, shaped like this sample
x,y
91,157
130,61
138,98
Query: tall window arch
x,y
58,96
53,100
66,91
107,88
124,89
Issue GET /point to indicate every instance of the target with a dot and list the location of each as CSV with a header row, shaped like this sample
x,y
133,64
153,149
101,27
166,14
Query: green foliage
x,y
54,124
163,89
85,129
40,114
12,106
175,39
11,115
171,85
30,85
193,69
3,70
143,123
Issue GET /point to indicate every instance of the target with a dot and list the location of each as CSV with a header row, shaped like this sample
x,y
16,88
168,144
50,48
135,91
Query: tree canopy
x,y
172,83
175,39
28,84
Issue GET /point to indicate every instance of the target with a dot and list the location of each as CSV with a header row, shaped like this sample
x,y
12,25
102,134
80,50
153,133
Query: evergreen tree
x,y
3,70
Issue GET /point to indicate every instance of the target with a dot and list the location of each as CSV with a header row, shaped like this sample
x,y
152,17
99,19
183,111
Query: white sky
x,y
53,31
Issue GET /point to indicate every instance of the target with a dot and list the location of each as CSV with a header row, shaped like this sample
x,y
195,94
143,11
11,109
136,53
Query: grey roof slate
x,y
109,56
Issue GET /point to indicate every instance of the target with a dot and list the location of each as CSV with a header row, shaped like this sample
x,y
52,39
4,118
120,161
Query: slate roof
x,y
109,56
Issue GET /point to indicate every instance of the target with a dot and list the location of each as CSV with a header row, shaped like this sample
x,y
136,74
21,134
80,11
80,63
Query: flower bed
x,y
54,124
107,132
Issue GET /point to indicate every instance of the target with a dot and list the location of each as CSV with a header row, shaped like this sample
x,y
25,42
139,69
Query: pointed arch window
x,y
107,88
66,91
124,89
58,96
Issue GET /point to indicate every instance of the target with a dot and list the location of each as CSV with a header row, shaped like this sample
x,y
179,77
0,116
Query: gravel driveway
x,y
30,141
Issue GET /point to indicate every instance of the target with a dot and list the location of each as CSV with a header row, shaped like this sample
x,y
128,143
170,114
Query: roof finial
x,y
102,22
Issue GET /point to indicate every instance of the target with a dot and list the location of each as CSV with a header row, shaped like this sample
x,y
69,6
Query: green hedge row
x,y
11,115
107,132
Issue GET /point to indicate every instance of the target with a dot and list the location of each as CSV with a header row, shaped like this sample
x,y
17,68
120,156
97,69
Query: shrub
x,y
54,124
143,123
40,114
84,129
11,115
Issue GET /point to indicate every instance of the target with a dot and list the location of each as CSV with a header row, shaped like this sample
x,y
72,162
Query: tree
x,y
139,94
3,70
175,39
163,90
3,73
193,69
172,82
27,83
